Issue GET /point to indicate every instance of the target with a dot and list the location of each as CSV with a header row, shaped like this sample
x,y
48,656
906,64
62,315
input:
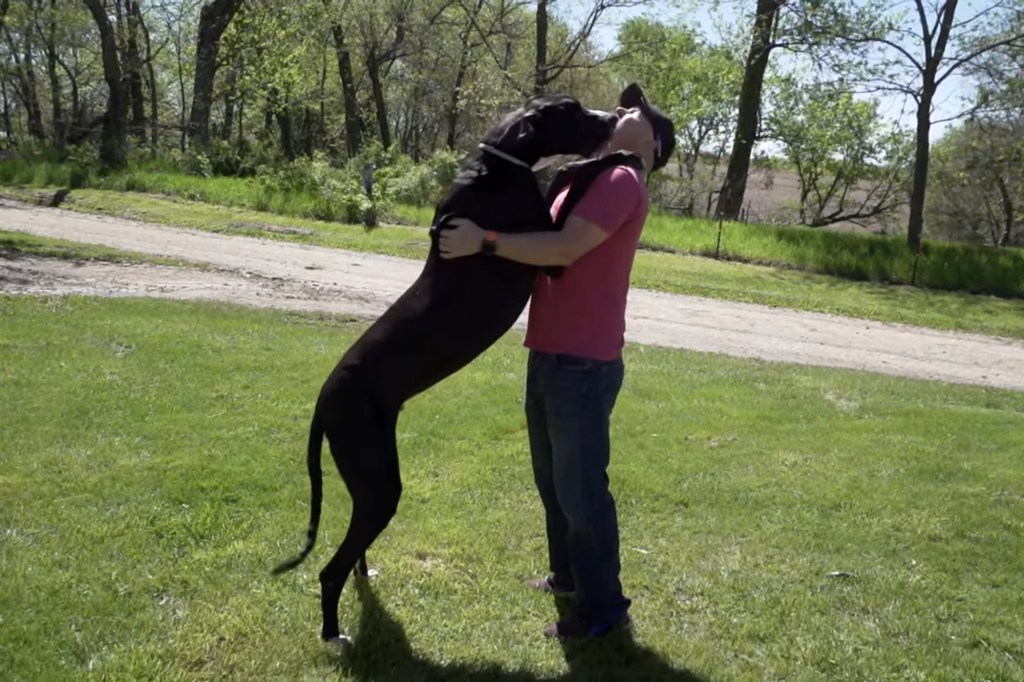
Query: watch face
x,y
488,247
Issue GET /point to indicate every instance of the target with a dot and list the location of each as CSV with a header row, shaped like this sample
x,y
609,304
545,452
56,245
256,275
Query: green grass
x,y
780,287
857,257
14,244
852,256
151,472
157,177
414,215
408,242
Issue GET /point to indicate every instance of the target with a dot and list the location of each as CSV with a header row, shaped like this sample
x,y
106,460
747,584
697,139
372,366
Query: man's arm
x,y
533,248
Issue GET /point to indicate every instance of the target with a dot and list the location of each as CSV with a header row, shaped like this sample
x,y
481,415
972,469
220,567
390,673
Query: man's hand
x,y
463,239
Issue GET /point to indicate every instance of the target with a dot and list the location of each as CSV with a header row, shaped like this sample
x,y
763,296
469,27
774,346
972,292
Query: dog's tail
x,y
316,483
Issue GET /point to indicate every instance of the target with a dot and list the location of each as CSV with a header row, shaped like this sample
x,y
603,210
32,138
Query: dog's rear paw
x,y
339,642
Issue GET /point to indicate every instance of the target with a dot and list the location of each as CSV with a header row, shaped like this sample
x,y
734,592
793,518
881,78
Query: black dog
x,y
454,311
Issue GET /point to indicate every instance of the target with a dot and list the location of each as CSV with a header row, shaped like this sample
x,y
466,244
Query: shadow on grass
x,y
380,650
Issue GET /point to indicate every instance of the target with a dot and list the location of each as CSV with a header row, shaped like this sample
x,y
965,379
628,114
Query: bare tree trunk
x,y
379,104
541,58
309,131
452,115
1008,214
214,19
321,123
24,69
730,198
933,58
76,123
278,112
378,63
115,121
139,26
57,106
284,123
229,104
241,121
35,123
133,70
922,150
353,129
182,125
8,128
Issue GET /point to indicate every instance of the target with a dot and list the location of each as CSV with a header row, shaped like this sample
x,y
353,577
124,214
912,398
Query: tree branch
x,y
1015,41
484,35
894,45
926,35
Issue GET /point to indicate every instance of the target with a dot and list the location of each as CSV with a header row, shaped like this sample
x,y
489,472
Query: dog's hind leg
x,y
367,458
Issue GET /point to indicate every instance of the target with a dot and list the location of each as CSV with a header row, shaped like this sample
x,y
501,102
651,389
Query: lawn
x,y
778,522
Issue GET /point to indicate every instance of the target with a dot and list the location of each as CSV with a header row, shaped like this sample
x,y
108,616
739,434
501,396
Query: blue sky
x,y
894,107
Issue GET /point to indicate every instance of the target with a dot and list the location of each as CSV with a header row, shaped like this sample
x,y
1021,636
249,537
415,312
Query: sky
x,y
895,108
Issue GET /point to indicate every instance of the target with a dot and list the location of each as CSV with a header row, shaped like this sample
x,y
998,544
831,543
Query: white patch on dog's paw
x,y
372,573
339,642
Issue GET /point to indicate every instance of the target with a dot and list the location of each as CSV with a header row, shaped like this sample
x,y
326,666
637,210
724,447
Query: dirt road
x,y
275,274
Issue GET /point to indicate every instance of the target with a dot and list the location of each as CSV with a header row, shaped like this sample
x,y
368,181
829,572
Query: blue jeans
x,y
569,402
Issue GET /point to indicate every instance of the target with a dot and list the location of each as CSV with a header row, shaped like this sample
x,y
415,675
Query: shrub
x,y
326,192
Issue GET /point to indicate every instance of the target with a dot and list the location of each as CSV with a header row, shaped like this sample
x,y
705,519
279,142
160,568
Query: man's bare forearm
x,y
533,248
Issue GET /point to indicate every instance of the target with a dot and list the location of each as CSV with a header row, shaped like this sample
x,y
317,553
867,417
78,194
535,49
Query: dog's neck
x,y
504,155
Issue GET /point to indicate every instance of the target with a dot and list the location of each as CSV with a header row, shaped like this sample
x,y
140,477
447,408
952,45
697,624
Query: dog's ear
x,y
520,129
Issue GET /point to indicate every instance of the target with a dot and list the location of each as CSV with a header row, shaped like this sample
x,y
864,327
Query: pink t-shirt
x,y
583,312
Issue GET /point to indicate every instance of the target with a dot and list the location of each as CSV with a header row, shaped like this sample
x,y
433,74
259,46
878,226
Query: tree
x,y
48,32
353,124
851,166
810,27
549,67
113,146
384,39
19,34
977,183
924,49
698,93
730,197
174,25
214,19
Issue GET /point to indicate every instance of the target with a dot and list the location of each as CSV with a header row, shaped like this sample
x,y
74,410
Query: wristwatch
x,y
489,244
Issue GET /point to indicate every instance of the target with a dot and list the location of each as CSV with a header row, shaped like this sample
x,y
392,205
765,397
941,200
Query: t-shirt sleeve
x,y
612,199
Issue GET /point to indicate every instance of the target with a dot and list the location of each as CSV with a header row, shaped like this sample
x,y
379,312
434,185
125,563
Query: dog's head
x,y
551,126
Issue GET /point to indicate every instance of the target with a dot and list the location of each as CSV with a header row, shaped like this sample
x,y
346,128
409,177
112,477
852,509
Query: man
x,y
575,370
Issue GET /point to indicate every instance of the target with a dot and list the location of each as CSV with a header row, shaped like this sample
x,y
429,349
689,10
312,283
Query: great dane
x,y
454,311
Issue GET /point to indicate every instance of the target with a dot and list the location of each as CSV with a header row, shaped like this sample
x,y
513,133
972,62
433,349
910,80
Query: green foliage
x,y
334,194
698,93
418,184
41,172
851,165
861,257
976,192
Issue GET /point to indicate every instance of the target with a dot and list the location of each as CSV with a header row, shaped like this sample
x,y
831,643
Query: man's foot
x,y
575,627
549,585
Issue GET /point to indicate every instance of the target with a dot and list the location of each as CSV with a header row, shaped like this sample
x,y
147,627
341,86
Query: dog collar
x,y
508,157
